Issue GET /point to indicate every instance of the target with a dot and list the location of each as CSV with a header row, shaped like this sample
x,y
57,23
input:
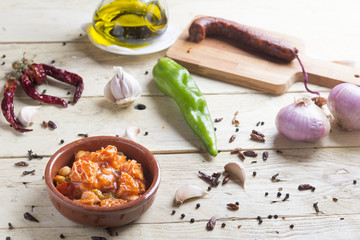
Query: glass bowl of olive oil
x,y
130,23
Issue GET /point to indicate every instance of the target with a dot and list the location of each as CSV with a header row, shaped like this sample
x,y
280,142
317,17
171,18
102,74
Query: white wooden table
x,y
330,30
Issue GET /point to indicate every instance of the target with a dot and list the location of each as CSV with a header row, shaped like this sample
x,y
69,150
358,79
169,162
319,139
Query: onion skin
x,y
344,104
302,121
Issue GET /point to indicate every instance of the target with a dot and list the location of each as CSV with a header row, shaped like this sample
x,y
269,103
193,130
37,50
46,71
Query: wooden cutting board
x,y
218,58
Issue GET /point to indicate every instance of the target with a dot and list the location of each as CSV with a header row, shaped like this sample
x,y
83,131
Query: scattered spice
x,y
146,133
254,174
21,164
235,151
278,194
197,205
270,217
32,155
291,226
10,226
236,129
53,61
259,220
182,215
276,216
52,125
315,205
239,226
241,156
265,156
30,217
250,153
262,123
140,106
313,189
173,212
69,102
85,135
8,238
62,236
280,189
274,178
213,179
215,129
234,120
211,224
319,101
146,72
64,43
32,172
232,138
253,162
44,124
226,179
287,196
223,225
3,56
44,91
257,124
237,203
192,220
303,187
97,238
232,206
354,182
62,141
335,199
209,188
3,63
257,136
68,93
342,218
279,151
218,119
266,194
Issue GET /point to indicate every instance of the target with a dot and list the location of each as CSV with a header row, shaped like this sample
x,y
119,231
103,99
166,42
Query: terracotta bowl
x,y
103,216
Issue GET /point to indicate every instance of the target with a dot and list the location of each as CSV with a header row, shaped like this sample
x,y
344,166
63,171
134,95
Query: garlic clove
x,y
26,115
188,191
123,89
107,93
131,132
237,170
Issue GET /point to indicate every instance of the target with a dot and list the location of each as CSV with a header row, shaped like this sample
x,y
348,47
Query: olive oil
x,y
130,23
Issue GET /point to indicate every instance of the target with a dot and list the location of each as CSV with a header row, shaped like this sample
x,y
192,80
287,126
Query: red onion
x,y
302,121
344,104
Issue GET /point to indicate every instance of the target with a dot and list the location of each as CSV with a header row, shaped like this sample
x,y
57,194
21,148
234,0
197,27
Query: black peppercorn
x,y
182,215
292,226
276,216
266,193
197,205
192,220
173,212
223,225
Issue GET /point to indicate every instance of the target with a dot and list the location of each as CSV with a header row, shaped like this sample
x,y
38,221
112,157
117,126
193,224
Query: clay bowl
x,y
103,216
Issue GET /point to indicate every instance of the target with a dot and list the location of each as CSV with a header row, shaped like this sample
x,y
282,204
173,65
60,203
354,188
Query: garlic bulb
x,y
123,89
26,115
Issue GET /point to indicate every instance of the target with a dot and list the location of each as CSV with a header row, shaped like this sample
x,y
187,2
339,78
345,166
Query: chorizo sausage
x,y
206,26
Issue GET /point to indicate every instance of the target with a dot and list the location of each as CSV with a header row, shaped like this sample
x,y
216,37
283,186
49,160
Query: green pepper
x,y
176,82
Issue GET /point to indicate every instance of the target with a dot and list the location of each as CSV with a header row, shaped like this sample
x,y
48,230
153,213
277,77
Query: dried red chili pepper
x,y
66,77
7,105
211,224
21,164
250,153
232,206
36,74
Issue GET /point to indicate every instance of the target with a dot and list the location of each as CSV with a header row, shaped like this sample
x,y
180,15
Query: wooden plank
x,y
96,68
329,174
327,227
167,131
